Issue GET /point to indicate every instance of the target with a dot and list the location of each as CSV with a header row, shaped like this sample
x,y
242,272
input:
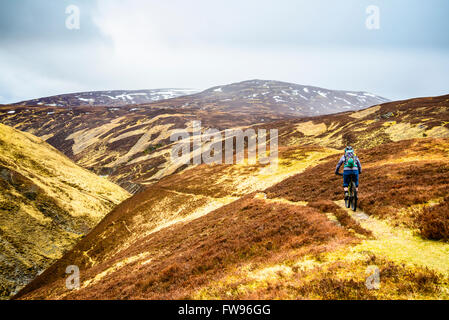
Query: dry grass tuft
x,y
433,222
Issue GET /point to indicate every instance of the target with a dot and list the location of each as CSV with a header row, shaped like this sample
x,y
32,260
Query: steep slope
x,y
290,241
112,98
47,203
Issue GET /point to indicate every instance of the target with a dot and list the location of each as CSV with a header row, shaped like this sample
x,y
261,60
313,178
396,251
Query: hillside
x,y
388,122
112,98
131,148
47,203
254,233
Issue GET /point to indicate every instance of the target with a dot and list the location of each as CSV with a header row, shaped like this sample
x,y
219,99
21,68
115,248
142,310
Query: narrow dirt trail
x,y
399,244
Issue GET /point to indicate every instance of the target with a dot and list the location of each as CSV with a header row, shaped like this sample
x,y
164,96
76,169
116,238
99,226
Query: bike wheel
x,y
348,200
354,197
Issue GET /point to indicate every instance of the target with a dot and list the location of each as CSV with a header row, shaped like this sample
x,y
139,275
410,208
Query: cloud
x,y
150,44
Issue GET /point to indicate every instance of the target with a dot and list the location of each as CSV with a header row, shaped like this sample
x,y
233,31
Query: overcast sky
x,y
202,43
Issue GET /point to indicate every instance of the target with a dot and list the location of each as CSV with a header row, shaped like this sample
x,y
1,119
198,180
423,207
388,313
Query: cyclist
x,y
352,167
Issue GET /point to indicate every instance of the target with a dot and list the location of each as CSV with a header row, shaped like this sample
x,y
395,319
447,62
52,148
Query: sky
x,y
145,44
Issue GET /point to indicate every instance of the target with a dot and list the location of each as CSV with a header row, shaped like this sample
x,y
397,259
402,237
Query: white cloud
x,y
199,44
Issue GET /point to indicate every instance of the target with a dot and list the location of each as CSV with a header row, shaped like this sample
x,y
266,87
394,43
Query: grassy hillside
x,y
388,122
47,203
292,240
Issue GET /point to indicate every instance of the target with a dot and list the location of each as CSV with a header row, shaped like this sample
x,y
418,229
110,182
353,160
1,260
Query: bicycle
x,y
351,201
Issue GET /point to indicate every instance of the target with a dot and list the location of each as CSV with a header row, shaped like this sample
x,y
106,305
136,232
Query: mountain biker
x,y
352,167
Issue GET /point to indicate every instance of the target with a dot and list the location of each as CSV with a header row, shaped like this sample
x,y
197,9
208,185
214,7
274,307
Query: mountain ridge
x,y
284,98
292,99
114,98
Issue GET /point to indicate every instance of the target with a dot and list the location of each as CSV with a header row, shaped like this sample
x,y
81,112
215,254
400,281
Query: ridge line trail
x,y
399,244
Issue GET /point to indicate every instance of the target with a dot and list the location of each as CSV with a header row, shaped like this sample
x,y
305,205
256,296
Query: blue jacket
x,y
358,166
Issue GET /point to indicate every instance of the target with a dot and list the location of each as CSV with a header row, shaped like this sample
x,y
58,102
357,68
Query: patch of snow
x,y
110,97
306,90
11,111
323,94
351,94
87,100
278,99
218,90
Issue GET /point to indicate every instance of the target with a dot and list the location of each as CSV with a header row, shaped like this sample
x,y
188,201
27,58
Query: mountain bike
x,y
351,202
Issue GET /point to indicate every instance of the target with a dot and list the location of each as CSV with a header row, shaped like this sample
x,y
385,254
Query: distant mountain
x,y
116,98
47,203
280,98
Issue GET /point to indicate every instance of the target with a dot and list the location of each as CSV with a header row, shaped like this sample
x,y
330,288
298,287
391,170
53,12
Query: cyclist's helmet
x,y
348,149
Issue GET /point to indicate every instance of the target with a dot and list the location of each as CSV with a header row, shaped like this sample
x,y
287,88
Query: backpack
x,y
350,159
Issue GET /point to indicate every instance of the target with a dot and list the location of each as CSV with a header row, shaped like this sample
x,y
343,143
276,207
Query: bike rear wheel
x,y
353,197
347,200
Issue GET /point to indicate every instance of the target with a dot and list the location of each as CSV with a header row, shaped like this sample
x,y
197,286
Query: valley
x,y
248,231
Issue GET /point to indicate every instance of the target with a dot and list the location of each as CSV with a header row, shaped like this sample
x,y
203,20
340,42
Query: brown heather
x,y
188,255
389,183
